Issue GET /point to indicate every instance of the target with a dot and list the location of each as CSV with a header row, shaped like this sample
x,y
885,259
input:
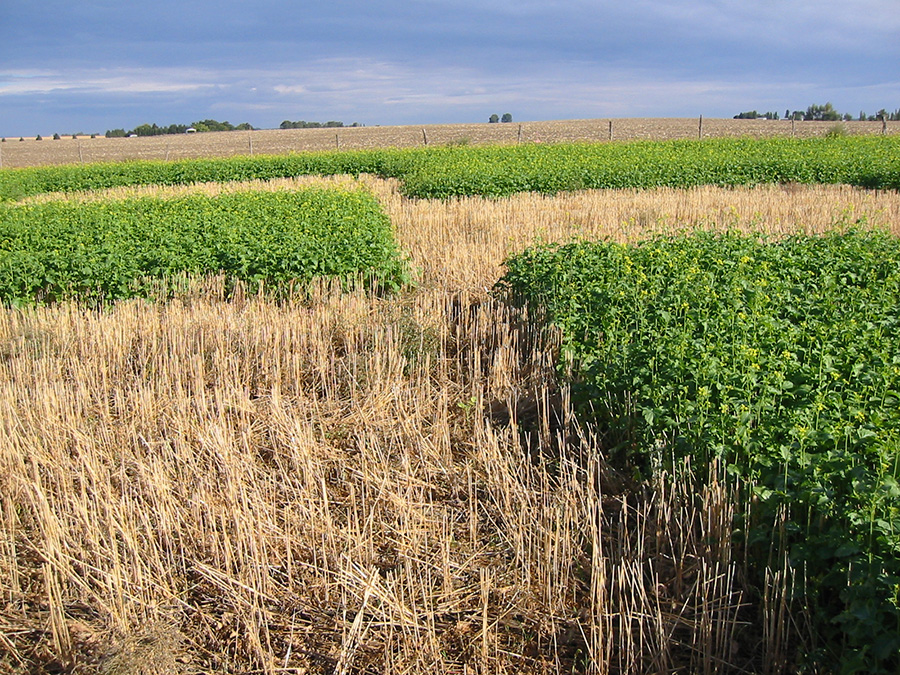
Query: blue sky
x,y
71,65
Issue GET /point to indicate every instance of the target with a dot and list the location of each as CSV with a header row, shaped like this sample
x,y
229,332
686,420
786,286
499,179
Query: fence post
x,y
80,155
519,137
610,130
250,141
700,128
424,136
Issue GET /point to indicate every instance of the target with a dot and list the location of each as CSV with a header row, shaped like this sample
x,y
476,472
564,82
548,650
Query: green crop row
x,y
780,359
16,184
100,251
496,171
501,171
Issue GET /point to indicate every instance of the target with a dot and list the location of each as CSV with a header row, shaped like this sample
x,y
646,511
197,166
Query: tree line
x,y
302,124
822,113
155,130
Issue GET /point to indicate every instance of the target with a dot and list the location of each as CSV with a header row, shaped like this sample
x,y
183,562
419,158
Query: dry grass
x,y
365,485
67,150
461,243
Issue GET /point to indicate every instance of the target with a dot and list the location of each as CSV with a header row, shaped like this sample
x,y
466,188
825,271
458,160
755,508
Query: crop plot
x,y
498,171
776,359
692,468
111,250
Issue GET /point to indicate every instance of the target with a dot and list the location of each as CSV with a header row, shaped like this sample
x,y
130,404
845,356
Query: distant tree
x,y
506,117
750,115
822,113
213,125
74,137
55,137
147,130
848,117
302,124
493,119
116,133
38,138
862,116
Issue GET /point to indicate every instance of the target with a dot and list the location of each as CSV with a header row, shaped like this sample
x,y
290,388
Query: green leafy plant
x,y
100,251
497,171
779,359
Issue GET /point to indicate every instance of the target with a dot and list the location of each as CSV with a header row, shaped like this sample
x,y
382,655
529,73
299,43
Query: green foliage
x,y
287,124
872,162
493,119
101,251
155,130
753,115
498,171
822,113
778,359
215,125
18,183
507,117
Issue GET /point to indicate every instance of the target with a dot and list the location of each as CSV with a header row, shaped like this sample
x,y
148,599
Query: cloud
x,y
406,61
106,81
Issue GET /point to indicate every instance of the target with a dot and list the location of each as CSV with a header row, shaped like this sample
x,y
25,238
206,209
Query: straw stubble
x,y
362,484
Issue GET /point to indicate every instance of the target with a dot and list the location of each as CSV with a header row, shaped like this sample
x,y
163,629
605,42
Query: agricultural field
x,y
336,480
83,149
499,171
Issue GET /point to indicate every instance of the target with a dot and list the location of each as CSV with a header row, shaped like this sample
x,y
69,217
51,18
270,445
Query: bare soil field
x,y
68,150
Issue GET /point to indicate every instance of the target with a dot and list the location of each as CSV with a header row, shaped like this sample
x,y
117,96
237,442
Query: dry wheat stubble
x,y
328,486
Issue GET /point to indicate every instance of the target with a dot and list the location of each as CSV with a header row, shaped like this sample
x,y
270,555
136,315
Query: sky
x,y
70,66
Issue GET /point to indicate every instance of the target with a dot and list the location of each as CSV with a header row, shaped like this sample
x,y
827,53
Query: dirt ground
x,y
83,149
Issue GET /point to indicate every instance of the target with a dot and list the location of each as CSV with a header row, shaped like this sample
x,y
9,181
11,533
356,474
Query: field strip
x,y
209,189
463,242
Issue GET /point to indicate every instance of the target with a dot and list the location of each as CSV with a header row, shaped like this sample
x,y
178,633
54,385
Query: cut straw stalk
x,y
220,467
